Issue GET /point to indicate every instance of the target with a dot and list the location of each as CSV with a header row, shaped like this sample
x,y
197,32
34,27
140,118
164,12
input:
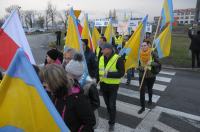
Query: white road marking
x,y
127,108
103,127
156,86
164,128
168,73
148,122
135,94
178,113
159,78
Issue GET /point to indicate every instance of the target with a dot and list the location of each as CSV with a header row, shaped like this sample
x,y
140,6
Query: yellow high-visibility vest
x,y
110,67
97,51
118,40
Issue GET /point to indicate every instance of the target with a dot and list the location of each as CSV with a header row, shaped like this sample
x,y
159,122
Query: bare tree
x,y
114,15
40,20
63,15
29,16
50,14
110,14
12,7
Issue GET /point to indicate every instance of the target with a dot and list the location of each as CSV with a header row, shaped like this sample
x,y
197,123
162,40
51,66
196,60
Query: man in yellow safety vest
x,y
111,69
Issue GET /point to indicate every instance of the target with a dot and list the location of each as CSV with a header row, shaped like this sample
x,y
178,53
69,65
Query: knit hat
x,y
53,54
75,66
85,41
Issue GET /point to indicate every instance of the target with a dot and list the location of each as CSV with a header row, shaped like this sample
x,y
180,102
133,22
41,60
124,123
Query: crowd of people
x,y
78,104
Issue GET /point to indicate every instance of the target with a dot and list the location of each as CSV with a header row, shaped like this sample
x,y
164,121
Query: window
x,y
186,22
191,17
181,22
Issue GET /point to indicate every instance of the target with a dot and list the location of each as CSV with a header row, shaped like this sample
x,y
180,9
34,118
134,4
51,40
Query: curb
x,y
181,68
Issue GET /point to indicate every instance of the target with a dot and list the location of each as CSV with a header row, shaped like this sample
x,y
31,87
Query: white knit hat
x,y
75,68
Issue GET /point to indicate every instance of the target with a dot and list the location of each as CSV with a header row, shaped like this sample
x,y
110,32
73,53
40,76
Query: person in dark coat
x,y
148,59
111,69
69,100
91,91
195,48
58,37
91,59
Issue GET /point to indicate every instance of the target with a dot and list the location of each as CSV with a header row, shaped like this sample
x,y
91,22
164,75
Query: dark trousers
x,y
130,74
147,83
195,56
58,40
110,96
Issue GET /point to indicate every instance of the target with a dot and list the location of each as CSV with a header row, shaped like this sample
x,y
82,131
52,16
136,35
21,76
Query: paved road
x,y
39,45
176,101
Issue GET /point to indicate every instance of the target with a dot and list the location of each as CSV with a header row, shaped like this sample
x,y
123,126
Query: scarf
x,y
145,56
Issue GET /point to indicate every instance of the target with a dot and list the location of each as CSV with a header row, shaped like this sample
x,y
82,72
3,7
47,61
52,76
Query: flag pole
x,y
145,69
157,29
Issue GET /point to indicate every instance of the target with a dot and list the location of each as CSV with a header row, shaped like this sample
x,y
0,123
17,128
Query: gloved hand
x,y
140,68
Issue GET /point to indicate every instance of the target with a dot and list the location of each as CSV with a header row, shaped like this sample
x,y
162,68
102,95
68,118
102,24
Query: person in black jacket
x,y
58,37
69,100
91,91
195,48
148,60
91,59
111,69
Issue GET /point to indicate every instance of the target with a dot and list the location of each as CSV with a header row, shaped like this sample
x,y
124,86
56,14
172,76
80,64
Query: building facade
x,y
181,16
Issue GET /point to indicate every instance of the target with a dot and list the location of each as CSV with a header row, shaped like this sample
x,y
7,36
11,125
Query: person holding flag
x,y
111,69
148,60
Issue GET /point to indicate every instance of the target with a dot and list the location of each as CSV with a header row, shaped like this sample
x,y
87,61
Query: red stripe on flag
x,y
7,49
80,28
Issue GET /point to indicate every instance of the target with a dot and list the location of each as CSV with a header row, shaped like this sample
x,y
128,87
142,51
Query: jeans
x,y
130,74
109,92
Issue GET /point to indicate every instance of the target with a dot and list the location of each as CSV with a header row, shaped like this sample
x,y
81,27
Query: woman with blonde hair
x,y
70,102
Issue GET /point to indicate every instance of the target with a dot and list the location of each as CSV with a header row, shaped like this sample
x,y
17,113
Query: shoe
x,y
128,83
141,110
111,128
149,102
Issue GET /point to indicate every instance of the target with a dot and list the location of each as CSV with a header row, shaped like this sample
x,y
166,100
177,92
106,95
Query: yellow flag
x,y
86,33
77,13
109,33
72,38
163,42
133,45
95,37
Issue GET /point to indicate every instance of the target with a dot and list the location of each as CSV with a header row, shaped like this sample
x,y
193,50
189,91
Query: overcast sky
x,y
152,7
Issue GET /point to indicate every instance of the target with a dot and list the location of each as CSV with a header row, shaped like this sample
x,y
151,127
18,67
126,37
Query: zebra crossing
x,y
128,101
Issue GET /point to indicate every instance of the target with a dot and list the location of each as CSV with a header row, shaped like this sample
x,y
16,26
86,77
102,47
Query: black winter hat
x,y
85,41
53,54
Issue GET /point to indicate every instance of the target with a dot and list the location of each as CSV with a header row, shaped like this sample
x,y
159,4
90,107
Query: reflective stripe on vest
x,y
110,67
97,51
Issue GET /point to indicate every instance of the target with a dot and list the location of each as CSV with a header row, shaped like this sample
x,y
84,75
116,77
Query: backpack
x,y
155,69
